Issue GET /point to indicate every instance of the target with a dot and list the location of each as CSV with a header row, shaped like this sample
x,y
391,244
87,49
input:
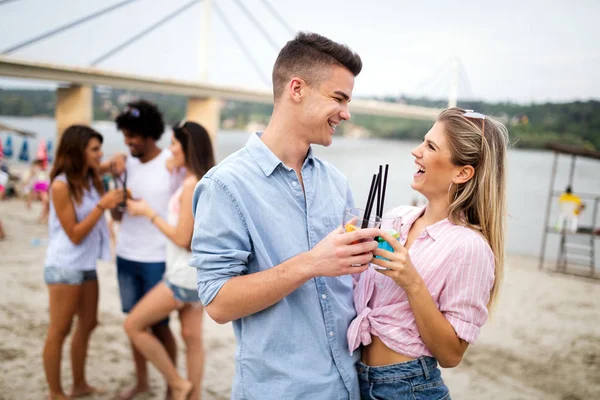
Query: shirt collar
x,y
435,230
408,219
265,158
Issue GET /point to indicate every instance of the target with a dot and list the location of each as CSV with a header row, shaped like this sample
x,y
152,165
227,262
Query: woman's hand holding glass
x,y
111,199
397,264
139,208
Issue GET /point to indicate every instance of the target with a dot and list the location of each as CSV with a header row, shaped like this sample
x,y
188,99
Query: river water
x,y
528,175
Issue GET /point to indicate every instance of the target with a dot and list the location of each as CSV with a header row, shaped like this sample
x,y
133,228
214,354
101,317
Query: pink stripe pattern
x,y
457,266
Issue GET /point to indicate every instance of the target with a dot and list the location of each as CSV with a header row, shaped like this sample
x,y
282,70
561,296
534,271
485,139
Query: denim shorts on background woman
x,y
182,294
419,379
55,275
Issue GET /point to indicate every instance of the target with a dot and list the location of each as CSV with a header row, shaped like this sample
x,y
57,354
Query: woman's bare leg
x,y
43,218
2,233
191,317
152,308
29,199
63,305
87,320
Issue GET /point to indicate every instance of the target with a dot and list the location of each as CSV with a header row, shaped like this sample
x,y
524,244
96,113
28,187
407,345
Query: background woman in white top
x,y
192,149
78,237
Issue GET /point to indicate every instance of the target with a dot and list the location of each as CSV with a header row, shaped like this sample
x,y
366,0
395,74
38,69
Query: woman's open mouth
x,y
420,170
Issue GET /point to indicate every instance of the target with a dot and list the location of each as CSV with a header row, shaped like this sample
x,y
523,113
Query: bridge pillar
x,y
206,112
73,106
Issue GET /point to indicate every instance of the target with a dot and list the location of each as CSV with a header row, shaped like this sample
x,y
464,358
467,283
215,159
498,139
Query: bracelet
x,y
100,207
153,217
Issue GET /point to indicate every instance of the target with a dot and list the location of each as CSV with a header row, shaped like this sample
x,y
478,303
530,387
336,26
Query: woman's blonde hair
x,y
480,203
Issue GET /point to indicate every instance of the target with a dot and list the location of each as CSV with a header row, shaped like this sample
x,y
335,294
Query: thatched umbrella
x,y
4,127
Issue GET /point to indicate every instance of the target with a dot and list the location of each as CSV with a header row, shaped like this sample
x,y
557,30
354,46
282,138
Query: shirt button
x,y
330,333
294,183
323,296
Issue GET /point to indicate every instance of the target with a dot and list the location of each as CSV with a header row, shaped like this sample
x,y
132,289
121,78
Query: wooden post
x,y
548,209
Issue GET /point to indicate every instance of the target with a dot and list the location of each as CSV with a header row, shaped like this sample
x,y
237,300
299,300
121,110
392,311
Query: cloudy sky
x,y
520,51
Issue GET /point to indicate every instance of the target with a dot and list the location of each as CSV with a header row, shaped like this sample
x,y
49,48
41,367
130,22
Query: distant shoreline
x,y
530,125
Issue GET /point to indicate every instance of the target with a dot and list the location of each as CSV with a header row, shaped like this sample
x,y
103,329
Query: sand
x,y
543,341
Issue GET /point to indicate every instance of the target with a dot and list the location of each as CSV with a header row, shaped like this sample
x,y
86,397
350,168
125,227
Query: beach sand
x,y
543,341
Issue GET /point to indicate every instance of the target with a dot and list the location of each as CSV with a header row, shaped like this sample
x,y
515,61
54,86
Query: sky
x,y
520,51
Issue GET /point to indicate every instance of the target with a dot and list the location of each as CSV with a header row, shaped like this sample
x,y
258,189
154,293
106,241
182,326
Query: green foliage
x,y
530,125
27,103
576,123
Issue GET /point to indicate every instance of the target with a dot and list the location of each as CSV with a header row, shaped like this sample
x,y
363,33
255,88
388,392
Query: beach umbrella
x,y
42,153
49,150
24,154
8,147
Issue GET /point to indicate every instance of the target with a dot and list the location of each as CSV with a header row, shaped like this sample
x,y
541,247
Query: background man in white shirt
x,y
141,247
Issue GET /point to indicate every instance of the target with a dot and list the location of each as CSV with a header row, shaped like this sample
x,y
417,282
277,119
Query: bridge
x,y
74,96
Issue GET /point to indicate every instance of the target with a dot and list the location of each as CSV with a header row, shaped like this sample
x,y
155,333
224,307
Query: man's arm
x,y
221,249
335,255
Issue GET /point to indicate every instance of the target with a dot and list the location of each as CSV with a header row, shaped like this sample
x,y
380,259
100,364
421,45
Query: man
x,y
268,243
570,208
141,247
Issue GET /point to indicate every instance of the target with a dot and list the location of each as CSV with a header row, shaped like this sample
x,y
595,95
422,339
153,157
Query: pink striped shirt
x,y
457,266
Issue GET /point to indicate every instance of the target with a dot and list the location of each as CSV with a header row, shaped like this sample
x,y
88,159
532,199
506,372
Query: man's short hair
x,y
142,118
309,56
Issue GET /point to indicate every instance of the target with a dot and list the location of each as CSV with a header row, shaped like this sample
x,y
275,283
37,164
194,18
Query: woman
x,y
433,296
36,186
78,236
191,148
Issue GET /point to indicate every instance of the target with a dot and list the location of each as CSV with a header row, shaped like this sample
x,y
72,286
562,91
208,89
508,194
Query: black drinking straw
x,y
387,166
369,203
369,210
379,194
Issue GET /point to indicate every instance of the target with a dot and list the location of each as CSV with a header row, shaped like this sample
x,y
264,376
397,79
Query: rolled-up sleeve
x,y
464,299
220,244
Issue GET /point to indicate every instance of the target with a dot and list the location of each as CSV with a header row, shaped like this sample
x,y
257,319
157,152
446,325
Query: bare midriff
x,y
378,354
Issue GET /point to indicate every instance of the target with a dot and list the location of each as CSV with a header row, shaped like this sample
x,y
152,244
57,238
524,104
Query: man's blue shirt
x,y
251,214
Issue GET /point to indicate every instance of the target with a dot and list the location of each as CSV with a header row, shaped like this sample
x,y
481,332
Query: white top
x,y
139,240
179,273
61,252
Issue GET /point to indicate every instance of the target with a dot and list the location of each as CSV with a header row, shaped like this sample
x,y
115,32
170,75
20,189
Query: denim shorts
x,y
182,294
54,275
136,279
419,379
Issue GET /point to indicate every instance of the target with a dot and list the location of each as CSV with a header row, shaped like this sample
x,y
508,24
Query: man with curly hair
x,y
141,247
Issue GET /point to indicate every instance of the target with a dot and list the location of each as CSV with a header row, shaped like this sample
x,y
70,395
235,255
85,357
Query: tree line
x,y
530,125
